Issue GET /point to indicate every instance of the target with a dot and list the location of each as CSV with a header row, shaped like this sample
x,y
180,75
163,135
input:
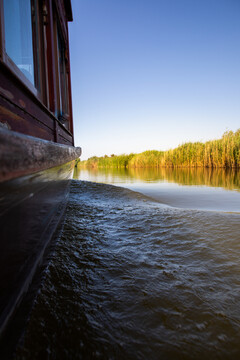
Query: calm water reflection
x,y
201,188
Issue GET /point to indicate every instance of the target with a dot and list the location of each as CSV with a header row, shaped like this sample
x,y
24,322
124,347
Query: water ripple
x,y
133,279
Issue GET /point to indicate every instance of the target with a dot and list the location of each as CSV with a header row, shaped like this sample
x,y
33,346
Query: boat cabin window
x,y
19,27
62,77
34,47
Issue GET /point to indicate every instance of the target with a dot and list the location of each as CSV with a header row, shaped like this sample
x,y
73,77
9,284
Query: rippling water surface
x,y
132,278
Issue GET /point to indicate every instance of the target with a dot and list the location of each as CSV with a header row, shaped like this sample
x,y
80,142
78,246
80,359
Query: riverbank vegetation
x,y
221,153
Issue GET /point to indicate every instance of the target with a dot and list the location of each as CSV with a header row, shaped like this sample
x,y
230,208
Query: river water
x,y
147,269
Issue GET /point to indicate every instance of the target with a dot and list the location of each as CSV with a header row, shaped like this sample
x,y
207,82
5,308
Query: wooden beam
x,y
21,155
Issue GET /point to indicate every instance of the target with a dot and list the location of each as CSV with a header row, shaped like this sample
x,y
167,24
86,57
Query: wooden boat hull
x,y
31,208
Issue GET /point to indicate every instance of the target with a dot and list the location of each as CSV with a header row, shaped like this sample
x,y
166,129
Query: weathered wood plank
x,y
36,119
14,119
17,93
22,155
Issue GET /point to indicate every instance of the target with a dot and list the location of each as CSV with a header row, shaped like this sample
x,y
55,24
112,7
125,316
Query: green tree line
x,y
221,153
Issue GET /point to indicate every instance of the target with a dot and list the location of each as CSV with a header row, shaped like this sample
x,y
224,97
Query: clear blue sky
x,y
152,74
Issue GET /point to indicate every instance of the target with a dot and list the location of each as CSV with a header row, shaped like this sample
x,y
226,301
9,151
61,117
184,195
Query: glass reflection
x,y
18,35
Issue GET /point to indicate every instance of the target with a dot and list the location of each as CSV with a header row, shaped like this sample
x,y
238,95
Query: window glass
x,y
62,76
18,35
62,81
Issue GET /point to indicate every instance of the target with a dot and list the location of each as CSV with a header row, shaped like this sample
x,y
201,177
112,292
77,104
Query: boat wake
x,y
134,279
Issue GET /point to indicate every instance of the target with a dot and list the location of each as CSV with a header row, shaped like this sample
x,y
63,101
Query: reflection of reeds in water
x,y
225,178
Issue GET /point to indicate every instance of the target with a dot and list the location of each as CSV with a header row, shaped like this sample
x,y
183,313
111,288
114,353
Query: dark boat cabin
x,y
35,84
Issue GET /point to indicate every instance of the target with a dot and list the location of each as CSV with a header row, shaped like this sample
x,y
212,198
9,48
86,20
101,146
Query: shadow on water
x,y
228,179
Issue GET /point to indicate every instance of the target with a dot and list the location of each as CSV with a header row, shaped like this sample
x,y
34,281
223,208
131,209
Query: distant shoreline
x,y
221,153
